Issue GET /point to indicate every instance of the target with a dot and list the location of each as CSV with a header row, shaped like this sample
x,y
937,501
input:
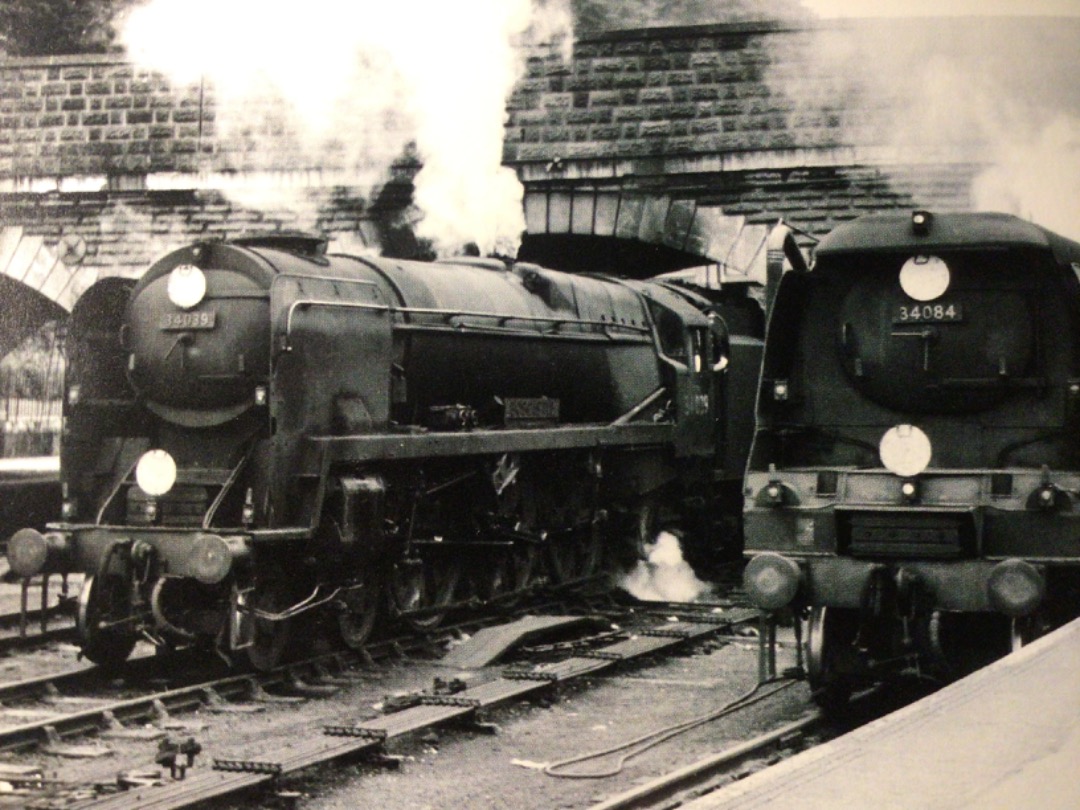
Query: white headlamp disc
x,y
905,450
187,286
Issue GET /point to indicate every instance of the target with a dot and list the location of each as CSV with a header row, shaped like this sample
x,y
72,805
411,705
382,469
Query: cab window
x,y
670,332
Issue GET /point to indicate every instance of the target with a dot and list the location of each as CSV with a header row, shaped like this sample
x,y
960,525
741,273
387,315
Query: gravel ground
x,y
461,769
454,768
457,768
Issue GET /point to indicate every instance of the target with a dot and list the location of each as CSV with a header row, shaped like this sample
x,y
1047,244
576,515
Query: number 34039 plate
x,y
939,312
188,320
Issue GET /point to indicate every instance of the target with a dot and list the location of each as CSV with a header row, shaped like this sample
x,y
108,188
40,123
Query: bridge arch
x,y
39,282
636,234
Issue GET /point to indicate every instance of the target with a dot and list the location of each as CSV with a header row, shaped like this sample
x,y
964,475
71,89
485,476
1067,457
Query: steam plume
x,y
1037,179
345,88
950,92
665,575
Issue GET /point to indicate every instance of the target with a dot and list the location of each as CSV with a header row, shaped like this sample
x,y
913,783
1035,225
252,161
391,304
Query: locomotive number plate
x,y
188,320
928,313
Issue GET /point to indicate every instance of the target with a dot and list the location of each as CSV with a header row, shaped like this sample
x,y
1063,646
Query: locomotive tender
x,y
914,479
257,433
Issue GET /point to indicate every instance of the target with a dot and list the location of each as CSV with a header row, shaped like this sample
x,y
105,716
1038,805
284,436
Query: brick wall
x,y
92,147
765,87
817,123
96,115
124,231
643,94
64,116
813,123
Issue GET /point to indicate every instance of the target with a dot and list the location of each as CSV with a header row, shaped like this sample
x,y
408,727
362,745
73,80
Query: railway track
x,y
20,631
715,770
233,771
48,709
77,703
697,777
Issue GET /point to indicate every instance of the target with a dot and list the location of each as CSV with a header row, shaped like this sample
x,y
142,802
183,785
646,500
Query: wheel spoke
x,y
361,609
269,639
564,559
104,599
418,588
526,558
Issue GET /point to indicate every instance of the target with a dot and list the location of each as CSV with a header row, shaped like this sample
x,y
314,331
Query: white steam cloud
x,y
348,87
1037,179
942,8
664,576
952,92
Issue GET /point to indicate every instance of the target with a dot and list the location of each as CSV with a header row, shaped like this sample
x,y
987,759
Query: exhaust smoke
x,y
986,97
664,576
343,90
1038,180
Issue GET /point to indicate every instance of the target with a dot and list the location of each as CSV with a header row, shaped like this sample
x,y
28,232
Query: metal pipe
x,y
645,403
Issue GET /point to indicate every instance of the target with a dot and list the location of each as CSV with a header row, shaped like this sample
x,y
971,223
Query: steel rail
x,y
658,792
705,774
51,688
14,643
148,707
348,739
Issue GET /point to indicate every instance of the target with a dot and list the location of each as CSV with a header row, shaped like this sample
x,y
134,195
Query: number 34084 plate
x,y
939,312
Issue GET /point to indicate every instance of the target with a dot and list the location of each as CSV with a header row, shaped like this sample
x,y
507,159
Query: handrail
x,y
115,489
449,314
645,403
211,512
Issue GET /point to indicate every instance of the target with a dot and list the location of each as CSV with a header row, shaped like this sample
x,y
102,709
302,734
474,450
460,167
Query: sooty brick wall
x,y
64,116
653,93
814,122
124,231
99,115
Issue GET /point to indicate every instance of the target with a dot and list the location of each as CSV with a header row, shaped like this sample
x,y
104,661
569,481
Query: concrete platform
x,y
1006,737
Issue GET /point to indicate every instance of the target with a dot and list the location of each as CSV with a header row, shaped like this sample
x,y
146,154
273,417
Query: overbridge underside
x,y
636,235
23,310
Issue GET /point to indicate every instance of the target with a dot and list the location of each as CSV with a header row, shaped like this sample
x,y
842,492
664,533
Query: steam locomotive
x,y
257,433
914,479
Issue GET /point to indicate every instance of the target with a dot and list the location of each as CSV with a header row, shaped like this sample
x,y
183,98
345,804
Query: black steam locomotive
x,y
914,480
258,433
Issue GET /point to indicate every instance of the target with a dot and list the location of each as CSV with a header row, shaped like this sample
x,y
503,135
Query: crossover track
x,y
49,698
276,758
46,710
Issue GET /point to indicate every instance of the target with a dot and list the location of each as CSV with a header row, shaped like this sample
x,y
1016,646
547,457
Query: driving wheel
x,y
270,638
360,610
421,591
830,638
104,601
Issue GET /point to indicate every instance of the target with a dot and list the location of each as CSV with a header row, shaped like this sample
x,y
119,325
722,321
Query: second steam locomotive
x,y
914,482
258,433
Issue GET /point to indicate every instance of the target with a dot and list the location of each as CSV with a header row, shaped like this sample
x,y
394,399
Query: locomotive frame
x,y
912,488
258,433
